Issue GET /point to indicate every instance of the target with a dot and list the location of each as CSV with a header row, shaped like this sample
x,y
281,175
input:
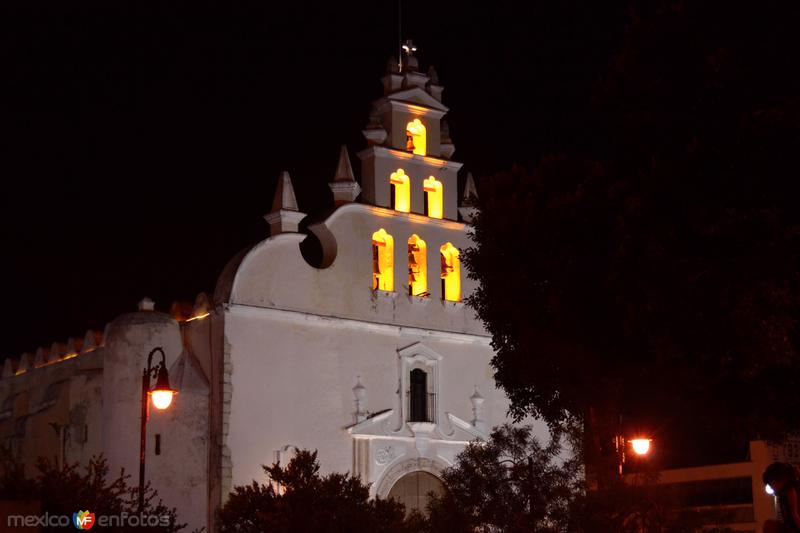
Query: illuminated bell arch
x,y
451,273
401,191
382,261
434,197
417,266
416,137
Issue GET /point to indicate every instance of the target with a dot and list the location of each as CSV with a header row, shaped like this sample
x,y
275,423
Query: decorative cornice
x,y
384,152
416,97
353,323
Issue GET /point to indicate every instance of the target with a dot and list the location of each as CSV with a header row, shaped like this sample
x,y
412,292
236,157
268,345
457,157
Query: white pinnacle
x,y
344,172
470,191
284,194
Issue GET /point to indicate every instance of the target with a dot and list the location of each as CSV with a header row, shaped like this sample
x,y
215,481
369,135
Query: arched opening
x,y
434,197
413,490
415,137
451,273
420,401
382,261
401,191
417,267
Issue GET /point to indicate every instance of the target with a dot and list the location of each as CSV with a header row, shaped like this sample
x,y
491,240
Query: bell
x,y
409,142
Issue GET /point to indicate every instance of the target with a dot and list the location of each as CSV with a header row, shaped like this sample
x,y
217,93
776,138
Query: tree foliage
x,y
640,506
511,483
66,490
299,499
655,271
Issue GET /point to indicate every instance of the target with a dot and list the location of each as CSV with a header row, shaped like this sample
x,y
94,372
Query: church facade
x,y
344,332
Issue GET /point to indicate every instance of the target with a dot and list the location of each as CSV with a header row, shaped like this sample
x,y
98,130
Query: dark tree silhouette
x,y
654,272
513,483
299,499
66,490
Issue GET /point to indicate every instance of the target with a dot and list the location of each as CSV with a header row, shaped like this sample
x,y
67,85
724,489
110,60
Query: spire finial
x,y
469,202
360,394
433,75
470,191
285,216
345,188
477,400
344,171
409,61
284,194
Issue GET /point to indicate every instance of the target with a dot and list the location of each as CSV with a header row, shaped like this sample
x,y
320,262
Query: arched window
x,y
434,198
419,408
417,267
415,137
451,273
401,191
382,261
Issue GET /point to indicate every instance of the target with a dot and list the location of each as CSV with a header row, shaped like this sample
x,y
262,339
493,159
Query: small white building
x,y
344,332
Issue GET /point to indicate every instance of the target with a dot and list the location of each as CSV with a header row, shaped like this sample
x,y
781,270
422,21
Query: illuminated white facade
x,y
345,333
351,335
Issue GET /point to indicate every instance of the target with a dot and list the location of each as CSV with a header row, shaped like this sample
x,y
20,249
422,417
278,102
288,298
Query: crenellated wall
x,y
82,398
50,402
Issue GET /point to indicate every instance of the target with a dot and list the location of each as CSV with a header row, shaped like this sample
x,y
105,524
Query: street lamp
x,y
640,446
161,395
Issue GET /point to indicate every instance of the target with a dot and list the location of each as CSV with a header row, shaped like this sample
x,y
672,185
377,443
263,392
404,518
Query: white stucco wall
x,y
275,275
297,337
379,162
293,377
180,472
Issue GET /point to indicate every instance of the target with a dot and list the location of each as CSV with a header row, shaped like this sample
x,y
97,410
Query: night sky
x,y
143,140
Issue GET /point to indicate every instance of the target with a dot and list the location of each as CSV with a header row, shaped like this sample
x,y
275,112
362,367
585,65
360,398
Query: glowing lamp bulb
x,y
162,398
769,490
640,446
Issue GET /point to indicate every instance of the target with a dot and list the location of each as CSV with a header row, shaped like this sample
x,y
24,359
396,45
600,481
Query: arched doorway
x,y
413,488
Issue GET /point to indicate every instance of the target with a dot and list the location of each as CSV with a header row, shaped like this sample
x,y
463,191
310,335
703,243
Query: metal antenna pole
x,y
400,34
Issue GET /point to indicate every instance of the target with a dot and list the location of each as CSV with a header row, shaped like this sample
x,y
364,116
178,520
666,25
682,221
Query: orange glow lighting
x,y
417,267
451,273
433,188
415,131
198,317
382,261
402,190
640,446
162,398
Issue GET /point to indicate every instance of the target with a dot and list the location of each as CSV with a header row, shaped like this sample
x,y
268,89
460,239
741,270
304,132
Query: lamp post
x,y
529,487
162,395
278,453
641,446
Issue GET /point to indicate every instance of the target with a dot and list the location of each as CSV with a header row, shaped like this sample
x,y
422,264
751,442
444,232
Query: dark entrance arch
x,y
413,488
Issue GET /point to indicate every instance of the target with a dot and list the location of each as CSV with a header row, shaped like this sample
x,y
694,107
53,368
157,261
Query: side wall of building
x,y
179,470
